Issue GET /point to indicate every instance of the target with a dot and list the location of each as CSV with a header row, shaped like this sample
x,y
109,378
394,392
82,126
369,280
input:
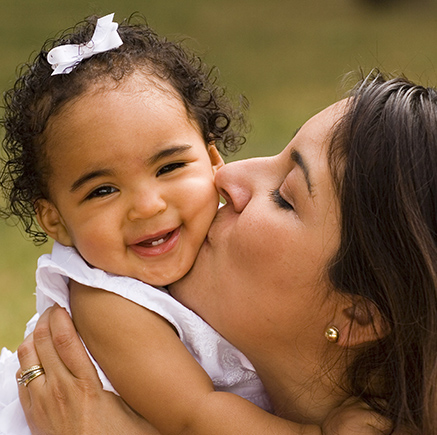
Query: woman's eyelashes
x,y
101,191
280,201
170,168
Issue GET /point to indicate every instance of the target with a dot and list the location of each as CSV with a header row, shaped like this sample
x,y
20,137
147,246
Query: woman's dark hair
x,y
37,95
383,156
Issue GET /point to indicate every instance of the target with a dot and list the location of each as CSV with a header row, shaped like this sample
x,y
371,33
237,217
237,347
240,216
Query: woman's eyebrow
x,y
297,158
168,152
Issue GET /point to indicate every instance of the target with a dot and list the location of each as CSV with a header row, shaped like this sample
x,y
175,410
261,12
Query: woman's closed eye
x,y
102,191
280,201
170,167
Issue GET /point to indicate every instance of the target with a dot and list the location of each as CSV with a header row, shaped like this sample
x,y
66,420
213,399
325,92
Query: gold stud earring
x,y
332,334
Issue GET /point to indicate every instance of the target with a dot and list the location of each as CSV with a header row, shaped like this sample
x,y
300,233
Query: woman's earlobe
x,y
360,323
51,222
215,158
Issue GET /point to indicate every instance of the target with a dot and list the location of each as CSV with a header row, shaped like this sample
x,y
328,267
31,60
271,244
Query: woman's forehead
x,y
314,136
326,119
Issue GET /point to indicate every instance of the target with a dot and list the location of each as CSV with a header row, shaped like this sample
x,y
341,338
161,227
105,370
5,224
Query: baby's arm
x,y
155,374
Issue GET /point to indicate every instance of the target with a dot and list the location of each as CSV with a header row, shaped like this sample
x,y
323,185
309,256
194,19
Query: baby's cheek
x,y
87,248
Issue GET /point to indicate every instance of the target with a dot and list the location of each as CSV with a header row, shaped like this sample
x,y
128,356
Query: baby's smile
x,y
158,244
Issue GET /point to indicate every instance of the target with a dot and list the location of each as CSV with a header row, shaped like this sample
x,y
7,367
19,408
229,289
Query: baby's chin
x,y
156,274
165,280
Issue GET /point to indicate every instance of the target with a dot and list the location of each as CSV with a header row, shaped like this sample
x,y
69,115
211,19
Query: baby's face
x,y
132,183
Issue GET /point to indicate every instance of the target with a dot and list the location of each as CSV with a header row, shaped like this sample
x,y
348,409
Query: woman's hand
x,y
69,398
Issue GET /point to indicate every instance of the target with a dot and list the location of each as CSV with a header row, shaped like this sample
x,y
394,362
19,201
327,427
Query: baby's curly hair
x,y
37,95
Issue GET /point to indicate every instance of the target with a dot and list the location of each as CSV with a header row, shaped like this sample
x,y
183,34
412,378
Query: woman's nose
x,y
238,181
145,205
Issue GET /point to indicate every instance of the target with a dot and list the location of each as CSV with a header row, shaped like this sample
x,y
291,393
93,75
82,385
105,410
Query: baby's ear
x,y
51,222
215,158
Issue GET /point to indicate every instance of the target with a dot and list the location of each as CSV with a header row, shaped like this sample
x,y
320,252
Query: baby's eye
x,y
280,201
170,168
101,191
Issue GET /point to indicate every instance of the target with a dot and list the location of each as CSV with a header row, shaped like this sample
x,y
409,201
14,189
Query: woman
x,y
321,268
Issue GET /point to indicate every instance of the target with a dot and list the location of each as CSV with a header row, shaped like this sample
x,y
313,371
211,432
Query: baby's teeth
x,y
157,242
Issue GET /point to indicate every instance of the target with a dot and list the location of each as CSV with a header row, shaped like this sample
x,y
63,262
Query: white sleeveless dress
x,y
228,368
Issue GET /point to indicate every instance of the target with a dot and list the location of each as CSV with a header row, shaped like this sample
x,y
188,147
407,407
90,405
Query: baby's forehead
x,y
139,84
138,80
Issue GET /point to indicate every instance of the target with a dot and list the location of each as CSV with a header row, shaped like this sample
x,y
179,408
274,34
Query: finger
x,y
27,354
28,357
23,394
24,353
68,346
43,343
56,338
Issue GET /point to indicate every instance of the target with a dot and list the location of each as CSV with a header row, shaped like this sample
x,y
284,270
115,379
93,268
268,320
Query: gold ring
x,y
31,369
30,374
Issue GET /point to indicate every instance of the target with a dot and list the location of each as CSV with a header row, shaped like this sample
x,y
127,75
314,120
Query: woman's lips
x,y
157,245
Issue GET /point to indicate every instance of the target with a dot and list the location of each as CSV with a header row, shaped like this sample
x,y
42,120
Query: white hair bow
x,y
66,57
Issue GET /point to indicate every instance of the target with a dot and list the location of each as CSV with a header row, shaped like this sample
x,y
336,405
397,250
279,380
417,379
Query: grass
x,y
287,56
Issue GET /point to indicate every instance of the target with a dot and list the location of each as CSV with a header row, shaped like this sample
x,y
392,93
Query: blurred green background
x,y
287,56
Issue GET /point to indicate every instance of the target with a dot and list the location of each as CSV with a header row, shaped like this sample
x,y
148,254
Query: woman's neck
x,y
301,393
